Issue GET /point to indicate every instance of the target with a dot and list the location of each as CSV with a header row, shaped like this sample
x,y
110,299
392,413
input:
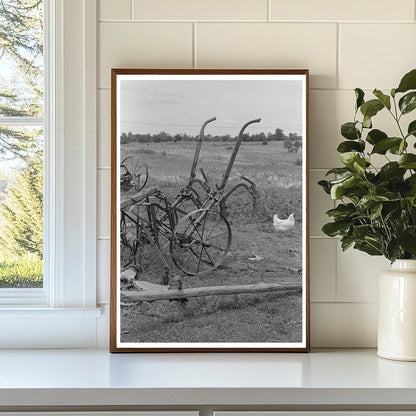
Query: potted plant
x,y
376,207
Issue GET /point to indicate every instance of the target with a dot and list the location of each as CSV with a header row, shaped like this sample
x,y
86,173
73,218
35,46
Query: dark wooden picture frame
x,y
173,227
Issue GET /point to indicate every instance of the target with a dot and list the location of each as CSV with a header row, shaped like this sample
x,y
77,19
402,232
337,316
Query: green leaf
x,y
393,250
336,228
407,240
398,150
369,201
369,248
391,170
408,102
411,180
371,108
359,95
359,165
367,122
349,131
342,211
408,82
348,158
411,130
383,145
340,188
325,186
375,136
408,161
361,231
385,99
411,185
346,242
349,146
412,201
375,212
338,171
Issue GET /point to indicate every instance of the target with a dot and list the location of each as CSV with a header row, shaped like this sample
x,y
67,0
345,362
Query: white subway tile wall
x,y
145,45
104,128
114,10
103,269
352,10
375,54
357,275
338,325
345,44
200,10
323,268
270,45
104,202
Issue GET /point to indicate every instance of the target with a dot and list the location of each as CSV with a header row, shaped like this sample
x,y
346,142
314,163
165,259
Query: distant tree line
x,y
166,137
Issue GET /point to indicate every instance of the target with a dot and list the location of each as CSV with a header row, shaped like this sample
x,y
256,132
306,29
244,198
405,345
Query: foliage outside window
x,y
21,143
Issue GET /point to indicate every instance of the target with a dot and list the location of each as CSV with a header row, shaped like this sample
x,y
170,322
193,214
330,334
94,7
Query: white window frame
x,y
64,313
34,296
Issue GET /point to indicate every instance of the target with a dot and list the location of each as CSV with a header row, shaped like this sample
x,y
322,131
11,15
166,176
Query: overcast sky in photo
x,y
181,106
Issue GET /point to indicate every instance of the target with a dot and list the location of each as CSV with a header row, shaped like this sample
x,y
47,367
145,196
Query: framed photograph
x,y
209,210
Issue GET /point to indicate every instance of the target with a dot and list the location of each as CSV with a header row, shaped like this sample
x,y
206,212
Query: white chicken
x,y
283,225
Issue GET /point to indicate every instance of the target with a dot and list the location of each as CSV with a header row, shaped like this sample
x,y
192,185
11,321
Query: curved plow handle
x,y
198,148
235,151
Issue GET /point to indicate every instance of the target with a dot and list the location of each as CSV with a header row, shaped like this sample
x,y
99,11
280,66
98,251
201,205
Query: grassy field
x,y
242,318
21,272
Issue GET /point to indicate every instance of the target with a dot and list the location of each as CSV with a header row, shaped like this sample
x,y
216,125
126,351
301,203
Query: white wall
x,y
344,43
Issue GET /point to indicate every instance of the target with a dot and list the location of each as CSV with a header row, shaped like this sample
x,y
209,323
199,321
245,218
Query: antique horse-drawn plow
x,y
191,232
193,229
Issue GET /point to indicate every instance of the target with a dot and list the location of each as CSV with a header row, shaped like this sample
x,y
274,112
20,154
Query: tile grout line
x,y
344,302
307,22
269,10
336,271
131,9
194,63
338,242
338,63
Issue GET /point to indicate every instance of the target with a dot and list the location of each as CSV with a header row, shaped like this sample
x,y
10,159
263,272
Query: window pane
x,y
21,147
21,58
21,207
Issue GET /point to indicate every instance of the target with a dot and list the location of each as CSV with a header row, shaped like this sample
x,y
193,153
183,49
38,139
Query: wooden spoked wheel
x,y
200,241
131,238
133,175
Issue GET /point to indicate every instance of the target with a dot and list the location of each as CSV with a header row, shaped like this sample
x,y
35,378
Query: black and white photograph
x,y
209,244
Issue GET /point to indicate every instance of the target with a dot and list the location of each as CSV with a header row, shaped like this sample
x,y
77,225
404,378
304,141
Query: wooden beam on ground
x,y
139,197
163,294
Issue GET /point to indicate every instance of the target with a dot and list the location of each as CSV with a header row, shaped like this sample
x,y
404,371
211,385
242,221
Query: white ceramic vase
x,y
397,312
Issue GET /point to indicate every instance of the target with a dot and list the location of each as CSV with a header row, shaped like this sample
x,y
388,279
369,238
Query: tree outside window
x,y
21,143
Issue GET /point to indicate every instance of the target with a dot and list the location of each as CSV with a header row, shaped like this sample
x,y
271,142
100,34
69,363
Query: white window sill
x,y
322,379
36,312
40,327
22,297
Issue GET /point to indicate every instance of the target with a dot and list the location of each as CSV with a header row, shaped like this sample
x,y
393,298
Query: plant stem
x,y
397,118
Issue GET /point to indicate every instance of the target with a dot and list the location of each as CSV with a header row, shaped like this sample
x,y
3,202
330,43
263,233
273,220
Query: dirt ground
x,y
258,253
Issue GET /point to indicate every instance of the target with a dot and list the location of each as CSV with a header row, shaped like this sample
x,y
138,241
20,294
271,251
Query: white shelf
x,y
39,378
